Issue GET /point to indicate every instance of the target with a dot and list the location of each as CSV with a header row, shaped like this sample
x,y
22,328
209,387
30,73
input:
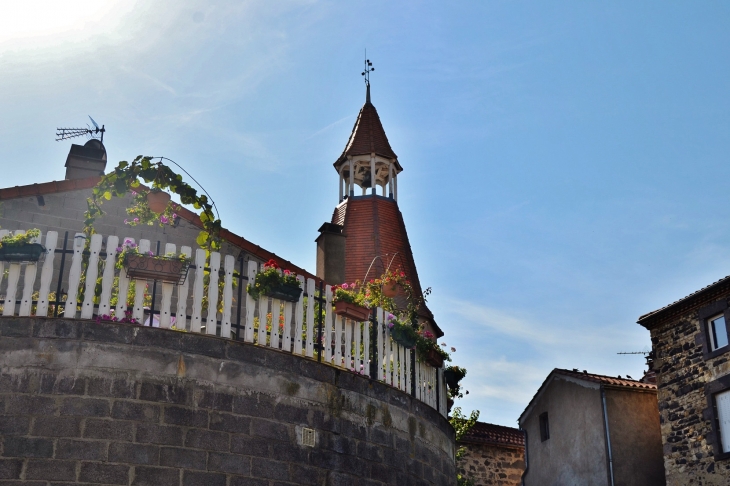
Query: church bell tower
x,y
367,235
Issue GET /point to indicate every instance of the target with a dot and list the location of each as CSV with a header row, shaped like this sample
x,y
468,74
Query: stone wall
x,y
82,402
493,465
686,422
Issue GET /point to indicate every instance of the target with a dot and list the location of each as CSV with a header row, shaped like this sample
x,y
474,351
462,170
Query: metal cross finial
x,y
368,69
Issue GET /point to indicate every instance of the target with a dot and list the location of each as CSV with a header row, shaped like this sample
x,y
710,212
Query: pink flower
x,y
150,253
453,349
287,272
134,193
174,215
352,285
163,219
126,221
136,220
120,249
345,286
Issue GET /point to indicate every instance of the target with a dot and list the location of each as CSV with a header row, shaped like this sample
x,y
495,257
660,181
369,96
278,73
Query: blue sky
x,y
562,160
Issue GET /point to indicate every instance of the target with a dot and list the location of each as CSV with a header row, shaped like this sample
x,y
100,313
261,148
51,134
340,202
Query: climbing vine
x,y
126,177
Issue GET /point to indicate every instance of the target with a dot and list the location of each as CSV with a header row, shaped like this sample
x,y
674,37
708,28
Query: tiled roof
x,y
373,227
483,433
368,136
593,378
682,305
55,187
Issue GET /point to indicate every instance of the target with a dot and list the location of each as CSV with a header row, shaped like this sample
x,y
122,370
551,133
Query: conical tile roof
x,y
367,137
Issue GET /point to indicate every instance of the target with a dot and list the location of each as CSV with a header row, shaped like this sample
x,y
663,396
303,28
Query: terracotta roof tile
x,y
368,136
373,227
483,433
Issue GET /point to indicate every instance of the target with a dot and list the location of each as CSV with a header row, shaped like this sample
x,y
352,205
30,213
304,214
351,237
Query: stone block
x,y
10,468
108,333
62,385
250,446
142,412
30,405
57,427
57,329
229,463
15,328
207,439
183,458
85,407
14,425
164,392
306,475
214,400
255,405
269,469
193,478
109,429
292,414
51,470
194,344
156,476
88,450
186,416
242,481
269,429
94,472
25,447
134,453
111,387
159,434
230,423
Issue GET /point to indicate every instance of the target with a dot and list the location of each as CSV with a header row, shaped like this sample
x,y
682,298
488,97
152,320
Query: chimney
x,y
331,254
86,160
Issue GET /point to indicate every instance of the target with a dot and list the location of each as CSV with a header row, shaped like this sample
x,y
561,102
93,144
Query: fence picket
x,y
338,341
366,346
298,318
408,371
107,279
211,322
250,304
286,331
46,274
358,332
181,317
92,272
166,301
124,281
31,270
347,323
198,289
380,355
310,318
140,286
263,320
228,265
3,233
74,276
327,332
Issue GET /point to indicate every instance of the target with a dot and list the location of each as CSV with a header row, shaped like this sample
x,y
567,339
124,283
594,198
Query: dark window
x,y
714,320
718,412
544,427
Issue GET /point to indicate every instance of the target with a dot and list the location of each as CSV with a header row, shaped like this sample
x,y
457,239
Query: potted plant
x,y
169,268
402,332
157,200
453,375
394,283
20,247
275,284
347,302
429,350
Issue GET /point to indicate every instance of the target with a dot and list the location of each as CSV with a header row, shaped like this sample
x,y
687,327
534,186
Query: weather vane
x,y
368,69
64,133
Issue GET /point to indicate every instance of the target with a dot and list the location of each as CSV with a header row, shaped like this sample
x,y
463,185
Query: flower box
x,y
402,338
28,252
434,358
164,269
285,292
352,311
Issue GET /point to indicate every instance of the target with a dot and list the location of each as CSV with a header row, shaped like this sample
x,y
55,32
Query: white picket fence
x,y
293,328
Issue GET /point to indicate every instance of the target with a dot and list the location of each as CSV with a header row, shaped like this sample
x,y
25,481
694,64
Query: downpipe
x,y
608,434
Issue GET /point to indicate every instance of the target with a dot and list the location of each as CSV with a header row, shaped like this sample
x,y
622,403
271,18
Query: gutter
x,y
527,463
608,435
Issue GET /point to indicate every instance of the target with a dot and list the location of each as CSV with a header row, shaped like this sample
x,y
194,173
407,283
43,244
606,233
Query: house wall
x,y
636,442
575,453
492,465
686,422
97,403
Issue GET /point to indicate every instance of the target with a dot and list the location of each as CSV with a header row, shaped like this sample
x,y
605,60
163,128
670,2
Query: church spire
x,y
368,160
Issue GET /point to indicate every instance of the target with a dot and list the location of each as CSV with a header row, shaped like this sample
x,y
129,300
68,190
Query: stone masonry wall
x,y
686,426
493,465
88,403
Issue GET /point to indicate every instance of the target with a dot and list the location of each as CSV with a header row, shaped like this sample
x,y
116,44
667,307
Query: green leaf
x,y
202,238
107,195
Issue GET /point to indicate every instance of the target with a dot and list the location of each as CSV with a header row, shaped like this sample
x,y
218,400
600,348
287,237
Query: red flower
x,y
287,272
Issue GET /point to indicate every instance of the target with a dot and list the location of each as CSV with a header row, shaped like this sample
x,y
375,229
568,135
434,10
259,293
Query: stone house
x,y
582,428
495,455
690,349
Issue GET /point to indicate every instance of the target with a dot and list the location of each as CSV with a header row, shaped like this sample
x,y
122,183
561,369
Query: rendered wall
x,y
636,441
575,453
82,402
493,465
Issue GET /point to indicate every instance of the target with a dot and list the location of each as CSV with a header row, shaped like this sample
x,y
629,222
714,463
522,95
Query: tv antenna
x,y
65,133
635,352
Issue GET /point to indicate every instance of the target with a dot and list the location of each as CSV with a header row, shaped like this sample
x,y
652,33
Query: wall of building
x,y
575,453
636,442
82,402
686,426
492,465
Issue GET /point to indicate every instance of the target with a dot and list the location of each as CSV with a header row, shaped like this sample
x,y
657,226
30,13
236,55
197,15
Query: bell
x,y
366,181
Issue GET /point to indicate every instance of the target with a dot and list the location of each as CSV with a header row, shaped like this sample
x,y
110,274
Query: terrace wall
x,y
82,402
